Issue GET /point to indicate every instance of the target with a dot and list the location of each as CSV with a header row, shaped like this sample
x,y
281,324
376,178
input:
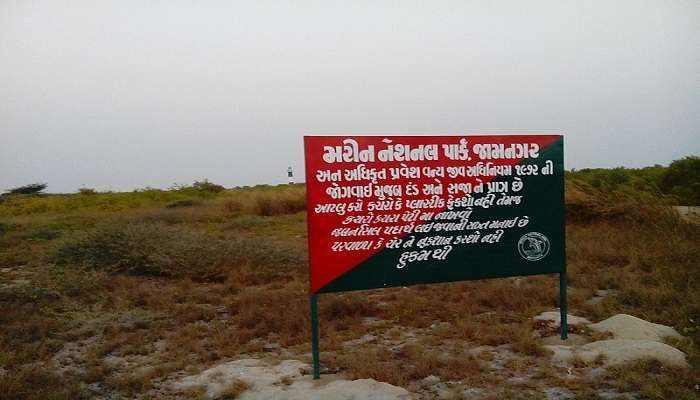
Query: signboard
x,y
386,211
389,211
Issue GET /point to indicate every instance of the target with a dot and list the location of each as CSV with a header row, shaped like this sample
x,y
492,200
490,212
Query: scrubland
x,y
112,295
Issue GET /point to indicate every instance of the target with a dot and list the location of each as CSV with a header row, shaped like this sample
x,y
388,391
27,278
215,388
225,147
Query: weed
x,y
233,390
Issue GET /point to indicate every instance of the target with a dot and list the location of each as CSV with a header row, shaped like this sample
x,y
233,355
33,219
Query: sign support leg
x,y
314,336
563,326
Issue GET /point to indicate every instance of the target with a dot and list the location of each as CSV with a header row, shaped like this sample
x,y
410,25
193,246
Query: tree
x,y
31,189
682,179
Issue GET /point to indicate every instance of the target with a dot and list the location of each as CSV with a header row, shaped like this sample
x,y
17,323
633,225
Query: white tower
x,y
290,175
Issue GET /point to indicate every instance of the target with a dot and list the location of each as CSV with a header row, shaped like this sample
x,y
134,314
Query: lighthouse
x,y
290,175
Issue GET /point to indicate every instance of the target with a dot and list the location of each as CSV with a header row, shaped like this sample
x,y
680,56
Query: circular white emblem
x,y
533,246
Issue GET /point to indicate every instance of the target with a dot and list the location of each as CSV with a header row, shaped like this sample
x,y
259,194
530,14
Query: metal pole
x,y
564,326
314,336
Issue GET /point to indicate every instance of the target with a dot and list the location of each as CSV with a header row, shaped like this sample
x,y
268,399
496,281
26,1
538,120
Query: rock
x,y
442,391
368,389
364,339
15,284
623,326
554,318
594,300
431,379
372,321
440,325
571,340
480,349
561,354
473,393
612,394
600,295
619,351
271,347
114,362
263,380
556,393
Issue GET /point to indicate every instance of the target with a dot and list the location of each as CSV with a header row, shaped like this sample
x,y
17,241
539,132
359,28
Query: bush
x,y
170,251
87,191
586,204
268,201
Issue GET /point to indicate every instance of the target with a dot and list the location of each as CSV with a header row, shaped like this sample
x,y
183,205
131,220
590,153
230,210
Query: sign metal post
x,y
563,325
313,300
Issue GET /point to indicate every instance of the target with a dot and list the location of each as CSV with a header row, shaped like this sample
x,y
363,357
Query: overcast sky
x,y
125,94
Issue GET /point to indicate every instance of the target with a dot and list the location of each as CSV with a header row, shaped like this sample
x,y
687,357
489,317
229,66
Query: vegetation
x,y
112,294
678,184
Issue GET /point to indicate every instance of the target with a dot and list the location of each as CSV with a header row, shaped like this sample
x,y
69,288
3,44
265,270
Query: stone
x,y
440,325
15,284
271,347
571,340
114,362
600,295
264,378
473,393
372,321
554,318
619,351
364,339
442,391
623,326
556,393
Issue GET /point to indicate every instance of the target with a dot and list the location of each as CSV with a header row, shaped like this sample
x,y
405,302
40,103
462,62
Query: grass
x,y
179,280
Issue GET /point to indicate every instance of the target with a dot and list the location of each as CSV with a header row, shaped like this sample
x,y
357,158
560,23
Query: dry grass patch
x,y
655,381
233,390
39,382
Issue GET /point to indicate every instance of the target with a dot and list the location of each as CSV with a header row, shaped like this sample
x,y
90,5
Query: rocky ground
x,y
584,359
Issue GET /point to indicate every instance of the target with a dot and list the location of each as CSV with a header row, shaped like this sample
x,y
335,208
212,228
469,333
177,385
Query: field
x,y
116,295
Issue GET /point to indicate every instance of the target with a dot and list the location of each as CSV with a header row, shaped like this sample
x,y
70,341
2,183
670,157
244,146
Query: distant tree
x,y
206,186
682,179
31,189
87,191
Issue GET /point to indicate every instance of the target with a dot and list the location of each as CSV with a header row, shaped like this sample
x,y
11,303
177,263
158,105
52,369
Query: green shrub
x,y
183,203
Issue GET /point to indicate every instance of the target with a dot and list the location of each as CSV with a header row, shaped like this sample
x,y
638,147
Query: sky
x,y
119,95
